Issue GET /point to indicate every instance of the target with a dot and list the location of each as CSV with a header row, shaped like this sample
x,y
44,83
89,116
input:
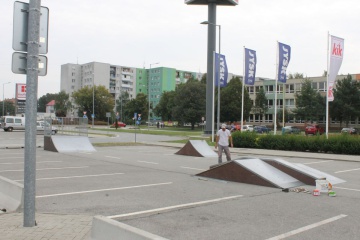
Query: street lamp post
x,y
3,110
218,105
149,91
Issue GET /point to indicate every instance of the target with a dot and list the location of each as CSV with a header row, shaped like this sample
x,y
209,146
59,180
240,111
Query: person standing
x,y
223,137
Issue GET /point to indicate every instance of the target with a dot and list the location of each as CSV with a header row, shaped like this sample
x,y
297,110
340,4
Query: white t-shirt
x,y
223,137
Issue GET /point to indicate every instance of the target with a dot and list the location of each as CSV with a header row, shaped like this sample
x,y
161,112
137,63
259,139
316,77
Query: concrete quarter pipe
x,y
197,148
65,144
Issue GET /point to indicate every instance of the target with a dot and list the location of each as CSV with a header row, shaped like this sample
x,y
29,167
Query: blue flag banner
x,y
220,64
250,66
284,59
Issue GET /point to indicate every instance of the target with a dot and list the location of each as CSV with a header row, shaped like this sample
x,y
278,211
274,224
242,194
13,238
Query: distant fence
x,y
66,126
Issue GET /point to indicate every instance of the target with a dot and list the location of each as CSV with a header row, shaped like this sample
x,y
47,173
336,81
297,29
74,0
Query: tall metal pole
x,y
211,42
149,92
93,110
3,110
218,106
30,113
218,102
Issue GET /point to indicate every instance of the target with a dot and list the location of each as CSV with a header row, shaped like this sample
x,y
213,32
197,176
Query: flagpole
x,y
327,89
242,94
276,82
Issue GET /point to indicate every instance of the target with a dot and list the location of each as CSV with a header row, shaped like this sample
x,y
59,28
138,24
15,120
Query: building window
x,y
290,88
322,86
269,89
297,87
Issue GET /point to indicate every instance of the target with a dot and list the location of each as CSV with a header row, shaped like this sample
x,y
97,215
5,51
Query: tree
x,y
203,78
189,102
121,102
165,106
62,104
103,101
230,101
44,100
261,103
138,105
9,108
346,104
310,105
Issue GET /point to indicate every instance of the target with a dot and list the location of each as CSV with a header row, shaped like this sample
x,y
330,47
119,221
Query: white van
x,y
11,123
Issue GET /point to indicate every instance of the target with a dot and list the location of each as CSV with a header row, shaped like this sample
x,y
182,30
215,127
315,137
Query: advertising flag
x,y
250,66
336,56
221,70
283,61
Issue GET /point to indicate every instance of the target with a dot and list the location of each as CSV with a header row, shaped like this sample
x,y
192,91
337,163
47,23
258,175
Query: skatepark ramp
x,y
66,144
267,172
302,172
197,148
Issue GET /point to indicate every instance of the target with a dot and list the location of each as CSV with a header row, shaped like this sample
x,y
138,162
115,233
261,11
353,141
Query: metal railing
x,y
66,126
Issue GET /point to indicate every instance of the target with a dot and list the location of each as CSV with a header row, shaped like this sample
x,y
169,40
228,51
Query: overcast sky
x,y
136,33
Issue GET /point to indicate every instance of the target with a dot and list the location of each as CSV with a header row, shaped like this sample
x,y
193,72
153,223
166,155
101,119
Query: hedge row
x,y
339,144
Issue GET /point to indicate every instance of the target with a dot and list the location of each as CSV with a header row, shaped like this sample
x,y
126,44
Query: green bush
x,y
245,139
339,144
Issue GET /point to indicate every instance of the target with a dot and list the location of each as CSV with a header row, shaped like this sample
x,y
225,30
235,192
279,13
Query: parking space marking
x,y
351,189
350,170
81,176
41,169
311,226
187,205
148,162
103,190
194,168
318,162
112,157
23,162
11,157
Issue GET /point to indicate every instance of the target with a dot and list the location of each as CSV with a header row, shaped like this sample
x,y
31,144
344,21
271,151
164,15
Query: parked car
x,y
248,128
41,125
349,130
262,129
120,124
291,130
314,129
10,123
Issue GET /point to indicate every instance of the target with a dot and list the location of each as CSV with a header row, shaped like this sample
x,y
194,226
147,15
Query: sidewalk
x,y
49,226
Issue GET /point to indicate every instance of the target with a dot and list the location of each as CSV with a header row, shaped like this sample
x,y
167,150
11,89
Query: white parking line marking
x,y
194,168
41,169
112,157
12,157
23,162
157,210
303,229
103,190
355,169
350,189
318,162
148,162
82,176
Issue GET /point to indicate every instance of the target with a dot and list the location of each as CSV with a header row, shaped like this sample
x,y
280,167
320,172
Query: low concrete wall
x,y
104,228
11,195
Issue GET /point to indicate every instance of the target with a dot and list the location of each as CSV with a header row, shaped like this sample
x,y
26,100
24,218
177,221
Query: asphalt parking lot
x,y
151,188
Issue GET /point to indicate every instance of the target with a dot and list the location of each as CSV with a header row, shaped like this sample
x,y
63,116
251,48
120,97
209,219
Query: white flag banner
x,y
336,57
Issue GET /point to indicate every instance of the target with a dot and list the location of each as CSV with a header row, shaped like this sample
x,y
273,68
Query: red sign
x,y
20,91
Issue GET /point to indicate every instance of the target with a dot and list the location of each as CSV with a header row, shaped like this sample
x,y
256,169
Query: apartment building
x,y
119,79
